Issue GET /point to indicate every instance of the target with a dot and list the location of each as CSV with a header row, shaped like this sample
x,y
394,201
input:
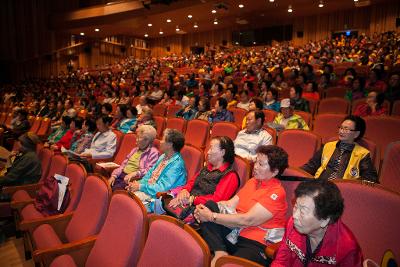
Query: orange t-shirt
x,y
272,196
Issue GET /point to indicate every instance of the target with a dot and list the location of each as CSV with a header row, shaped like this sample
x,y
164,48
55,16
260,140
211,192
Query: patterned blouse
x,y
80,142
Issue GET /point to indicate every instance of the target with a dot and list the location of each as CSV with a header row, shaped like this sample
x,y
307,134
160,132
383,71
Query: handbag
x,y
180,212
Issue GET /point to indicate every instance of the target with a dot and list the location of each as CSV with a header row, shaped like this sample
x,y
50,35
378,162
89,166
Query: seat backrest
x,y
193,158
91,211
390,172
396,108
45,156
35,125
289,187
58,165
172,110
299,144
44,127
160,124
372,213
305,115
238,115
171,243
382,130
269,115
224,129
333,105
232,261
312,105
336,92
326,125
159,110
272,132
197,133
122,237
127,144
176,123
77,175
243,169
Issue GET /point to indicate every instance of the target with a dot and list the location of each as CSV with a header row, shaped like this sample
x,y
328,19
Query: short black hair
x,y
108,107
123,109
133,111
327,198
91,124
222,102
277,157
299,90
67,120
274,93
78,122
105,118
258,102
259,114
176,138
227,144
359,125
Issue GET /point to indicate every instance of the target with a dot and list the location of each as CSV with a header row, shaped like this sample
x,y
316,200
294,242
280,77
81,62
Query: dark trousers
x,y
119,183
215,236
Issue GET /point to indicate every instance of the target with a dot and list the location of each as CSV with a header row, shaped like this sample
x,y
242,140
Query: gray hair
x,y
174,137
148,131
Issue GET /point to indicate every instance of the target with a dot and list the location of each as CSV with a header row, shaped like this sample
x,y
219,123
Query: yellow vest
x,y
353,168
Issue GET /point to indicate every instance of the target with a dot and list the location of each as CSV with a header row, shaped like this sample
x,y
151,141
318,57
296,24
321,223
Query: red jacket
x,y
339,248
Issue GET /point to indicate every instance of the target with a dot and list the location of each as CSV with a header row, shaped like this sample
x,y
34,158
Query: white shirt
x,y
103,145
246,143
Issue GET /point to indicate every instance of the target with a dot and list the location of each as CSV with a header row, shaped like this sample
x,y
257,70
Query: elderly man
x,y
253,136
344,159
287,119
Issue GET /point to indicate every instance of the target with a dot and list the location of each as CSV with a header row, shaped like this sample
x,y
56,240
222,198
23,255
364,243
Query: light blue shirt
x,y
103,145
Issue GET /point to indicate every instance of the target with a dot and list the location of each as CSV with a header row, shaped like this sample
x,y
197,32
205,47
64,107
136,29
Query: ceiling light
x,y
195,25
82,33
190,16
146,35
149,24
241,6
168,20
290,10
271,1
321,4
237,43
215,21
177,28
161,32
355,0
96,30
213,11
254,43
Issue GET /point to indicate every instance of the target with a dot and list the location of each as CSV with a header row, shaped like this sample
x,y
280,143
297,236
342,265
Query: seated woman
x,y
296,96
189,112
139,161
287,119
271,100
83,138
168,172
244,225
145,118
59,132
315,235
25,167
66,141
217,181
372,106
204,109
126,118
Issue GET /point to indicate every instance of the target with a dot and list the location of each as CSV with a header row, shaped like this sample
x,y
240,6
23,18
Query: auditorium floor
x,y
12,254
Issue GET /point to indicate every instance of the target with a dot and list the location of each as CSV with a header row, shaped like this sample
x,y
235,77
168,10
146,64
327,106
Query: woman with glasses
x,y
344,159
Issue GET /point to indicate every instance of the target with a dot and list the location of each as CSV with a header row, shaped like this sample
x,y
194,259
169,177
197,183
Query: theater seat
x,y
243,169
172,243
197,132
85,221
334,105
160,125
176,123
193,158
327,125
118,244
372,214
232,261
390,172
299,144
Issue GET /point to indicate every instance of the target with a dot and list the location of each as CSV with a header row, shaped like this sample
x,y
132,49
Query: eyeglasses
x,y
346,130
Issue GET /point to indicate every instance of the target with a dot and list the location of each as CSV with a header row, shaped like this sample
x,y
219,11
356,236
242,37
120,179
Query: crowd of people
x,y
86,107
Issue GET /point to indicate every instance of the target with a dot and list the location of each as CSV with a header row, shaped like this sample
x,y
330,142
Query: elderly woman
x,y
83,137
168,172
204,109
139,160
373,106
217,181
145,118
315,235
244,225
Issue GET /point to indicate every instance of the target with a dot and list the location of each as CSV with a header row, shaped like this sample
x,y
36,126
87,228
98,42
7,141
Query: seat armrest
x,y
80,247
58,222
28,187
271,250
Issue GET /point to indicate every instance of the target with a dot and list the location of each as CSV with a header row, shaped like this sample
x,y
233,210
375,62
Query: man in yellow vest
x,y
344,159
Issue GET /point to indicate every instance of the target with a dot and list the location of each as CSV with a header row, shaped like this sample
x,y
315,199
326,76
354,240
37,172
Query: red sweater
x,y
339,248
